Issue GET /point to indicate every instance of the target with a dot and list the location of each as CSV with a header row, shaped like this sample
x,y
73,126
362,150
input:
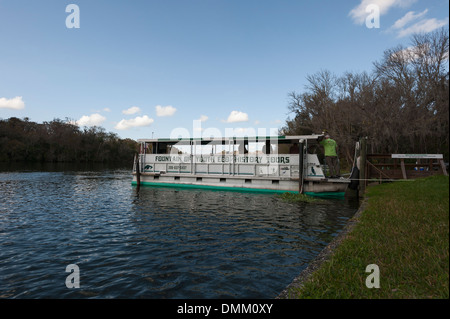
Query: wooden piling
x,y
363,159
402,165
444,170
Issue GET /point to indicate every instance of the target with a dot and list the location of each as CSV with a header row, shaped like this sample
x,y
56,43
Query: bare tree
x,y
403,106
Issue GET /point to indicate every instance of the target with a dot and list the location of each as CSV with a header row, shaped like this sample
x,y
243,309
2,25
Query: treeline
x,y
401,107
61,141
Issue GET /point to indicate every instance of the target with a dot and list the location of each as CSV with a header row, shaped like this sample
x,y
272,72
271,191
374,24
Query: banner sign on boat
x,y
262,159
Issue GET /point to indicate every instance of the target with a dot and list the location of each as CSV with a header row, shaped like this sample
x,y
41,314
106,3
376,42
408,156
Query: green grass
x,y
404,229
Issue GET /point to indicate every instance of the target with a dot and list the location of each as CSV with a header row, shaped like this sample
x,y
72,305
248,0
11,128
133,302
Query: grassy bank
x,y
404,229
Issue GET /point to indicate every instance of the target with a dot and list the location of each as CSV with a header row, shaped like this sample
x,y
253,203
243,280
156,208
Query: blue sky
x,y
151,68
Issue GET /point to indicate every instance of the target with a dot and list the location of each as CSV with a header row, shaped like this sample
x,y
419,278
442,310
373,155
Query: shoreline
x,y
325,254
401,228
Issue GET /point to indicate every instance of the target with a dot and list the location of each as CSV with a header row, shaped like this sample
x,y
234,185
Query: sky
x,y
189,68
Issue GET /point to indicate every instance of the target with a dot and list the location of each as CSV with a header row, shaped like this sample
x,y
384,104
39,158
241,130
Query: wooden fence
x,y
403,166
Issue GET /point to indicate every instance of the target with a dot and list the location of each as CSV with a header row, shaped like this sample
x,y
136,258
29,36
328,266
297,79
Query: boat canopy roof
x,y
206,140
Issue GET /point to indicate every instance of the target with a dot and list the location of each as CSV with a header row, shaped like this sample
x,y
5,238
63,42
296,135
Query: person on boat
x,y
243,149
294,149
267,148
330,146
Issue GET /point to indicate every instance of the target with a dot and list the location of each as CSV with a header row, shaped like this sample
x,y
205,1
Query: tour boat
x,y
260,164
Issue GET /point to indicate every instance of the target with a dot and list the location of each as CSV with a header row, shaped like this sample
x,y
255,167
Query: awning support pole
x,y
301,154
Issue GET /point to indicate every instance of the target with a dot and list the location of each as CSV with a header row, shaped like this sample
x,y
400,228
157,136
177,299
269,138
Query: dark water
x,y
155,243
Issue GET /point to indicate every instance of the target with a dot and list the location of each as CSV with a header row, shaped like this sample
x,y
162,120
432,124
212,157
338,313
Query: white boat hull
x,y
319,187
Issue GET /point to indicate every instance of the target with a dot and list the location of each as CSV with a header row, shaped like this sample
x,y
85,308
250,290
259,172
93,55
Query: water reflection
x,y
154,243
242,236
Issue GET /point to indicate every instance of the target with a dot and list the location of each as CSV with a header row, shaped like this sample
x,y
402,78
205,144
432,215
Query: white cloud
x,y
203,118
107,109
14,103
165,110
237,116
359,14
136,122
423,26
407,18
413,53
408,54
132,110
91,120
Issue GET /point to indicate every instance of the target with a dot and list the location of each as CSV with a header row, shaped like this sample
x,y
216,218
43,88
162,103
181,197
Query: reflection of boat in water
x,y
263,164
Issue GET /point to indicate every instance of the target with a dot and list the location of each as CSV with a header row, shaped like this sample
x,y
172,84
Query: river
x,y
153,243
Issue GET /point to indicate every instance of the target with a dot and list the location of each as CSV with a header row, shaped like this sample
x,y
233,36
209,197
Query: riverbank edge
x,y
324,255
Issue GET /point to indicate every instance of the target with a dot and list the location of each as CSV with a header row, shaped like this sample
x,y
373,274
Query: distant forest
x,y
401,107
61,141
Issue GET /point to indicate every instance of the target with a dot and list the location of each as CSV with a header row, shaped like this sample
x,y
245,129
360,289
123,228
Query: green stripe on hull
x,y
237,189
209,187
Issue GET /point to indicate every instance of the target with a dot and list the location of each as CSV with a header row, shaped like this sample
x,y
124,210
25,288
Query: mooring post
x,y
301,152
444,170
402,164
363,158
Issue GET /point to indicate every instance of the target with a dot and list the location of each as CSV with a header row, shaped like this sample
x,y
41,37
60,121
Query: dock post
x,y
402,164
301,154
444,170
363,159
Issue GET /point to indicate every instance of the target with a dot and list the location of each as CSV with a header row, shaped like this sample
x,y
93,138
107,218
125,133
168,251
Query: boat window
x,y
290,146
203,149
150,148
256,148
161,148
182,147
236,146
242,147
269,147
166,147
216,147
221,148
294,148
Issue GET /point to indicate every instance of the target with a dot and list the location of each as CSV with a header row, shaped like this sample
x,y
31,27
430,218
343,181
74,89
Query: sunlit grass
x,y
405,231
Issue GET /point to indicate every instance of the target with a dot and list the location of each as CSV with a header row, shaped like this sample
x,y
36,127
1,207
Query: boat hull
x,y
318,187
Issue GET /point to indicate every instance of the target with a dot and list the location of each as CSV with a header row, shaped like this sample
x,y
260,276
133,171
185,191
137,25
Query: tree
x,y
60,141
403,106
